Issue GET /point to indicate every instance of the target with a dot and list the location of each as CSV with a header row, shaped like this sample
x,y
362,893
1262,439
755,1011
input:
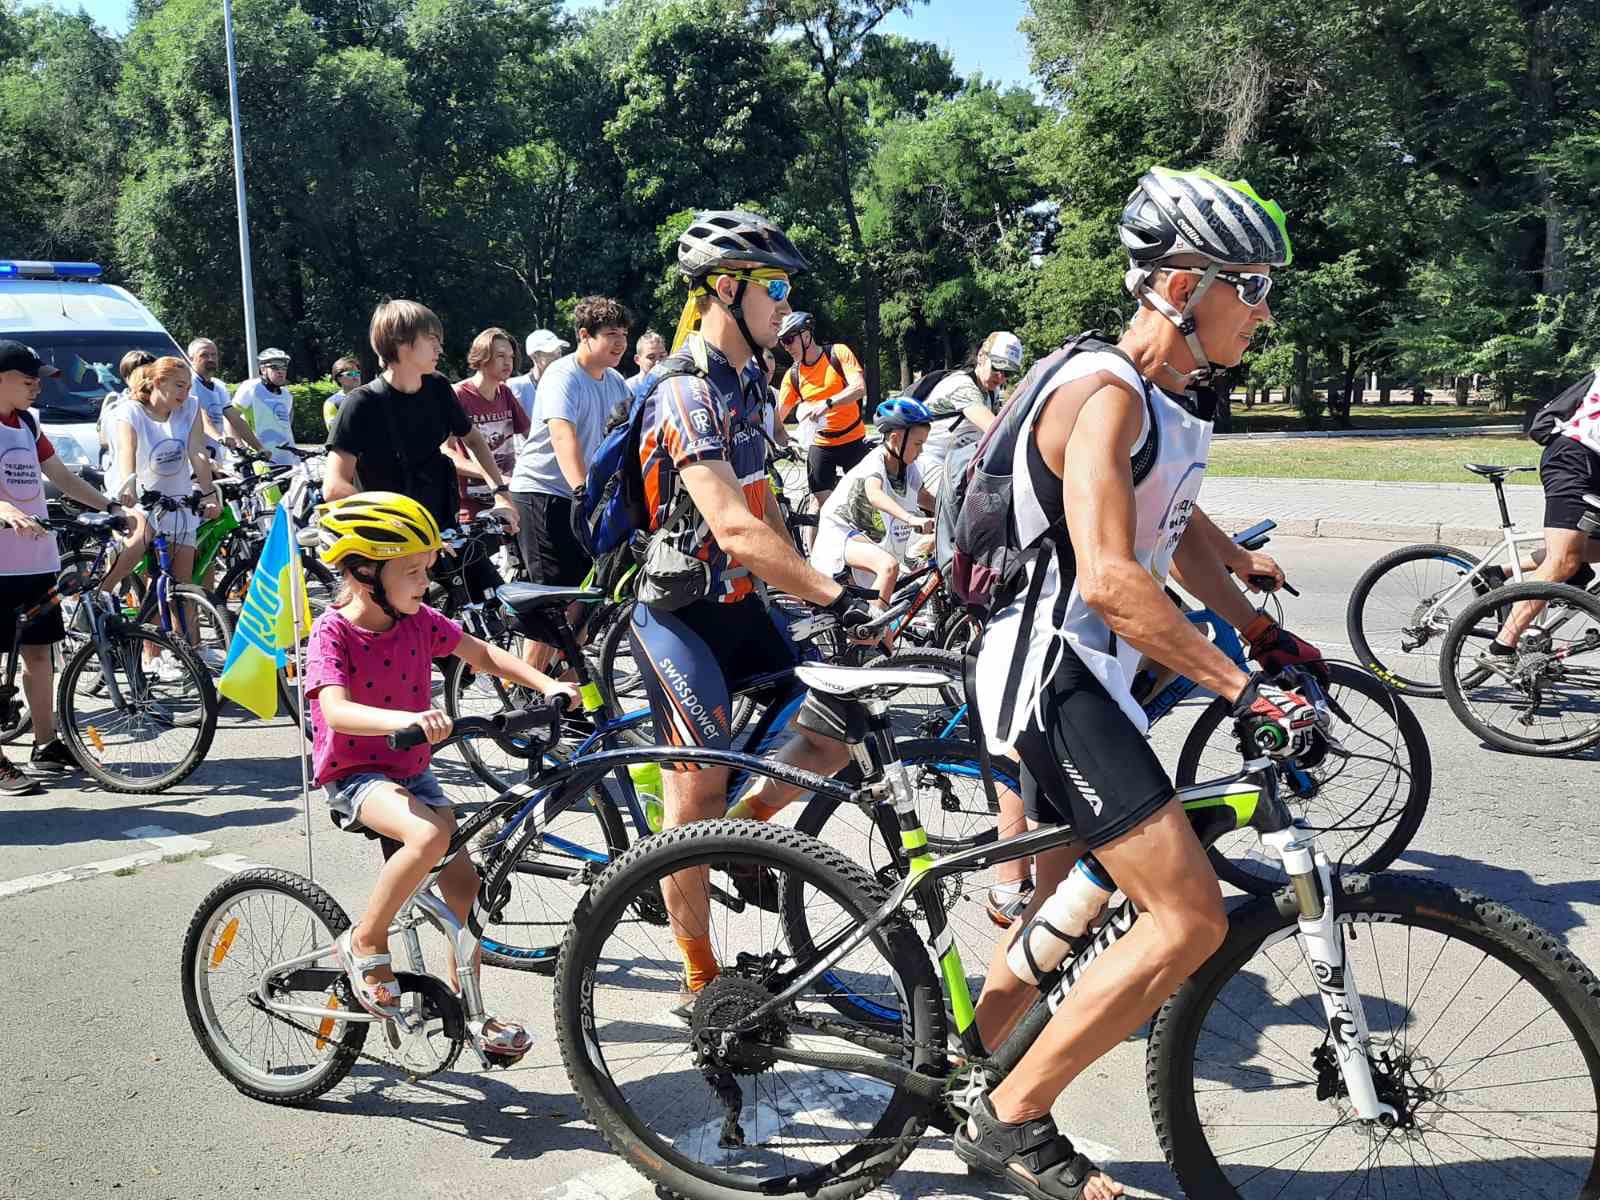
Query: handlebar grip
x,y
407,738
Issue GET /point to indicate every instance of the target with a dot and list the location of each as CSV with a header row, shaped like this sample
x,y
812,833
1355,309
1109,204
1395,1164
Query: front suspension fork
x,y
1312,879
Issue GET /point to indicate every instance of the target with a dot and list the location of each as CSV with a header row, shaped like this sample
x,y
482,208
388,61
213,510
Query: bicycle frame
x,y
1248,798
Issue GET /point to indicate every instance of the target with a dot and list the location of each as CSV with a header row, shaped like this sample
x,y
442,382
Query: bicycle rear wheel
x,y
1485,1038
1545,699
709,1113
129,728
1369,795
1395,618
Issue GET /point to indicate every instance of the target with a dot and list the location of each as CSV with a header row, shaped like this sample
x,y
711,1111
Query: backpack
x,y
975,536
923,388
612,506
1546,422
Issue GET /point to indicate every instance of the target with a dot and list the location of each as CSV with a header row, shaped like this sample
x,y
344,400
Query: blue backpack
x,y
611,506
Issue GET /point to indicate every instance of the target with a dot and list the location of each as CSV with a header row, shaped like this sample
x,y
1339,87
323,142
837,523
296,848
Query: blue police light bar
x,y
22,268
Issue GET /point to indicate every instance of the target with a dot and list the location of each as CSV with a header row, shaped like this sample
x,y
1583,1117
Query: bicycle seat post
x,y
1499,482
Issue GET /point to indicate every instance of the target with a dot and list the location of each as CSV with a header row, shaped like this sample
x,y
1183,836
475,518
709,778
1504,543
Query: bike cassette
x,y
722,1004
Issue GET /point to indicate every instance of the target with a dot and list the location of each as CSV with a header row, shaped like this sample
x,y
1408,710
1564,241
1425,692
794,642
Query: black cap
x,y
14,356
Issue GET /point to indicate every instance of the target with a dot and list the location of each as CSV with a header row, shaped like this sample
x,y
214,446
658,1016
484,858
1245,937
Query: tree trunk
x,y
1249,396
1419,392
905,361
1384,392
1461,391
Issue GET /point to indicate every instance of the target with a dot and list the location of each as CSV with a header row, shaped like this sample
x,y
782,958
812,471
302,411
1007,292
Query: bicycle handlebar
x,y
546,716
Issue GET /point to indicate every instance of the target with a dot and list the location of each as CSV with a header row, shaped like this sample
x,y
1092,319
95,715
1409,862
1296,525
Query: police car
x,y
82,327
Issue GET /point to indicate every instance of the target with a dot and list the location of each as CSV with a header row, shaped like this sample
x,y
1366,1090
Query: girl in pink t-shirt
x,y
369,672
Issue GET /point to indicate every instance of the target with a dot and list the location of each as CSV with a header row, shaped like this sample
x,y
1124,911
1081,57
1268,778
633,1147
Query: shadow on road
x,y
68,826
1552,905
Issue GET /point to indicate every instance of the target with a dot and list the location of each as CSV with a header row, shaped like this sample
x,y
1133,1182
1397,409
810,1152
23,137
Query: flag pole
x,y
298,603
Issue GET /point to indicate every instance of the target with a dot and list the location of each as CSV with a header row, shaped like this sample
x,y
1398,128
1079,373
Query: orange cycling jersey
x,y
841,424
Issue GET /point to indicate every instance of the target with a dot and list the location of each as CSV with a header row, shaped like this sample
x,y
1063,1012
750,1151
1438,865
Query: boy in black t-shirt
x,y
390,431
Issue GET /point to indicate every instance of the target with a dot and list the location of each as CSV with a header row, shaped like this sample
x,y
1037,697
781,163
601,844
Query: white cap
x,y
1005,352
542,341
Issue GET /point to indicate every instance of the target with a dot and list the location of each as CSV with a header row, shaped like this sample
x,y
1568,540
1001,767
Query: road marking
x,y
167,842
230,864
619,1181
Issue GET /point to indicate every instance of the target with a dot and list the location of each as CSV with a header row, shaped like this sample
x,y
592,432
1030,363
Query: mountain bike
x,y
1403,604
1379,1035
134,704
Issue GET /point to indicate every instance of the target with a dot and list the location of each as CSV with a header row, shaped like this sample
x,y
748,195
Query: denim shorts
x,y
345,795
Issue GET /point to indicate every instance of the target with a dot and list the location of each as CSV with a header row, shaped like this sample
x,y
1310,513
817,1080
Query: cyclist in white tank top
x,y
1103,499
160,447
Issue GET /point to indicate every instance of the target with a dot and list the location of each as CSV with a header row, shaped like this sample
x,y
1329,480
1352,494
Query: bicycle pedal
x,y
503,1061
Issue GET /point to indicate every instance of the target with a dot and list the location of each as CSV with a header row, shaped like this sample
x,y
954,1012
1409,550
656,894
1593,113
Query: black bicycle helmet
x,y
719,239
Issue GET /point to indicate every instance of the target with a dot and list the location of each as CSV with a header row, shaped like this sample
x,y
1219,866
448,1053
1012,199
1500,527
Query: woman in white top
x,y
160,445
867,522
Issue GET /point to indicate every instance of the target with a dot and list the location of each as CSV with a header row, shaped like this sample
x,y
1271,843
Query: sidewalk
x,y
1456,514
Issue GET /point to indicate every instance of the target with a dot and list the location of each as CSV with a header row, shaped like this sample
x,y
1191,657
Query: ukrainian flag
x,y
264,636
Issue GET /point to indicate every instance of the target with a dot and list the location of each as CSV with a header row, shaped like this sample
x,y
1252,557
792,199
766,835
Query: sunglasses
x,y
777,289
1252,286
349,374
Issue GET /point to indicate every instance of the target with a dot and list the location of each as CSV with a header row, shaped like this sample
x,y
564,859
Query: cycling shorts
x,y
1568,469
826,465
693,660
1084,764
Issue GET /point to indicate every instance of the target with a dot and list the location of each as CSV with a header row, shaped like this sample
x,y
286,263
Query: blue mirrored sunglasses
x,y
777,289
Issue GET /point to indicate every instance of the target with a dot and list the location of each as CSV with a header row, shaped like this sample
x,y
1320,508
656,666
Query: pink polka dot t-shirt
x,y
393,669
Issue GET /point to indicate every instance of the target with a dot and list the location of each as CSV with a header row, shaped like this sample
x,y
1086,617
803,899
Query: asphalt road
x,y
105,1091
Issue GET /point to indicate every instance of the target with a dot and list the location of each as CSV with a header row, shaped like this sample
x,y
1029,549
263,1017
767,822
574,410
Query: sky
x,y
981,35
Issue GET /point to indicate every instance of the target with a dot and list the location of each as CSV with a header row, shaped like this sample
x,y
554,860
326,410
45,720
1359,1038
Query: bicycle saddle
x,y
866,683
1490,472
524,598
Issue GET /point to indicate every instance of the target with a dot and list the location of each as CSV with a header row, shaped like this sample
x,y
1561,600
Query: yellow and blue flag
x,y
264,636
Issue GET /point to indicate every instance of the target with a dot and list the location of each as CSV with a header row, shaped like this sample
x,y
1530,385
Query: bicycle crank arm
x,y
924,1087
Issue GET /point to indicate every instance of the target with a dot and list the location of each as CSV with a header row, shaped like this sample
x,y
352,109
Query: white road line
x,y
619,1181
166,841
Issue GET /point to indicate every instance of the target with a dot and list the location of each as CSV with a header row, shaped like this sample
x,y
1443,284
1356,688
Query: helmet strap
x,y
898,464
1138,282
374,580
736,307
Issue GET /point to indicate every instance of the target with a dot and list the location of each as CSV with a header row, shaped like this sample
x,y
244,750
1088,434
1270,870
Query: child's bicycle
x,y
272,1009
1353,1035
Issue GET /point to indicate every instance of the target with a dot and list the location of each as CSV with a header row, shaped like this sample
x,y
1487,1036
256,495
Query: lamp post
x,y
238,187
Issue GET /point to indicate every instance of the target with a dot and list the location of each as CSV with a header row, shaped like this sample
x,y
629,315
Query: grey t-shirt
x,y
955,392
569,393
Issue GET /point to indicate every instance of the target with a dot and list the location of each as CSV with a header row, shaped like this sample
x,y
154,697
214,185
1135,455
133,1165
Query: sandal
x,y
367,994
509,1040
1034,1155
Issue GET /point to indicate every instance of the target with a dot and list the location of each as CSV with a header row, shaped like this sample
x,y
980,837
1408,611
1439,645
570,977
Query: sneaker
x,y
14,783
1004,908
755,885
681,1006
52,758
169,669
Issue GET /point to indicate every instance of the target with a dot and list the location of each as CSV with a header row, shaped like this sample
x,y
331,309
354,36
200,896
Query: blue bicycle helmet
x,y
901,412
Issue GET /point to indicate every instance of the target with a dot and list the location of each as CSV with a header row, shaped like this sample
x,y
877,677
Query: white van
x,y
83,327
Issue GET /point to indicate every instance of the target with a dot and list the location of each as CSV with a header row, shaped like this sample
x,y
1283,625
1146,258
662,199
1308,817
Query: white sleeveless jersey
x,y
162,459
22,484
1164,499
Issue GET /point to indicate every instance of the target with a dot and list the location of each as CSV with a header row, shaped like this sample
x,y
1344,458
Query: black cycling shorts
x,y
1086,765
550,549
1567,469
19,593
692,661
826,465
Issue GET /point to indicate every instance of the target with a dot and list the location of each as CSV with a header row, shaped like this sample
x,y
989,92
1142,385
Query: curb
x,y
1368,531
1289,435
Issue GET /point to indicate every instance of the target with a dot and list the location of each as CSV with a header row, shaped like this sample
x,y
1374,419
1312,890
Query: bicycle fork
x,y
1312,880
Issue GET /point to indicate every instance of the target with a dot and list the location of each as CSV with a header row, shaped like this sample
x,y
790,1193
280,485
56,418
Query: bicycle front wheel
x,y
139,712
1367,789
1543,700
1400,609
713,1114
1485,1039
248,922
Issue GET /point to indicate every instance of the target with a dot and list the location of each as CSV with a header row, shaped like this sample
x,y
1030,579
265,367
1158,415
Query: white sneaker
x,y
169,669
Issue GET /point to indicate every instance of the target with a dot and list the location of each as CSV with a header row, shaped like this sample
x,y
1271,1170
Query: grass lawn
x,y
1424,460
1273,418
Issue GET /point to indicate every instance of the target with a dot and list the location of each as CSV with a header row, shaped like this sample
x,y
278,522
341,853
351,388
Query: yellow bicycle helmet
x,y
376,525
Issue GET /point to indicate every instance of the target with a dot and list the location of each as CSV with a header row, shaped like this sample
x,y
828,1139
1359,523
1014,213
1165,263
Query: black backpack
x,y
923,388
1546,421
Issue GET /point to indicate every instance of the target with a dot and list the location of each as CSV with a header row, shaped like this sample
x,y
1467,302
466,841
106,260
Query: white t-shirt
x,y
213,398
163,448
955,393
22,484
848,513
271,416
